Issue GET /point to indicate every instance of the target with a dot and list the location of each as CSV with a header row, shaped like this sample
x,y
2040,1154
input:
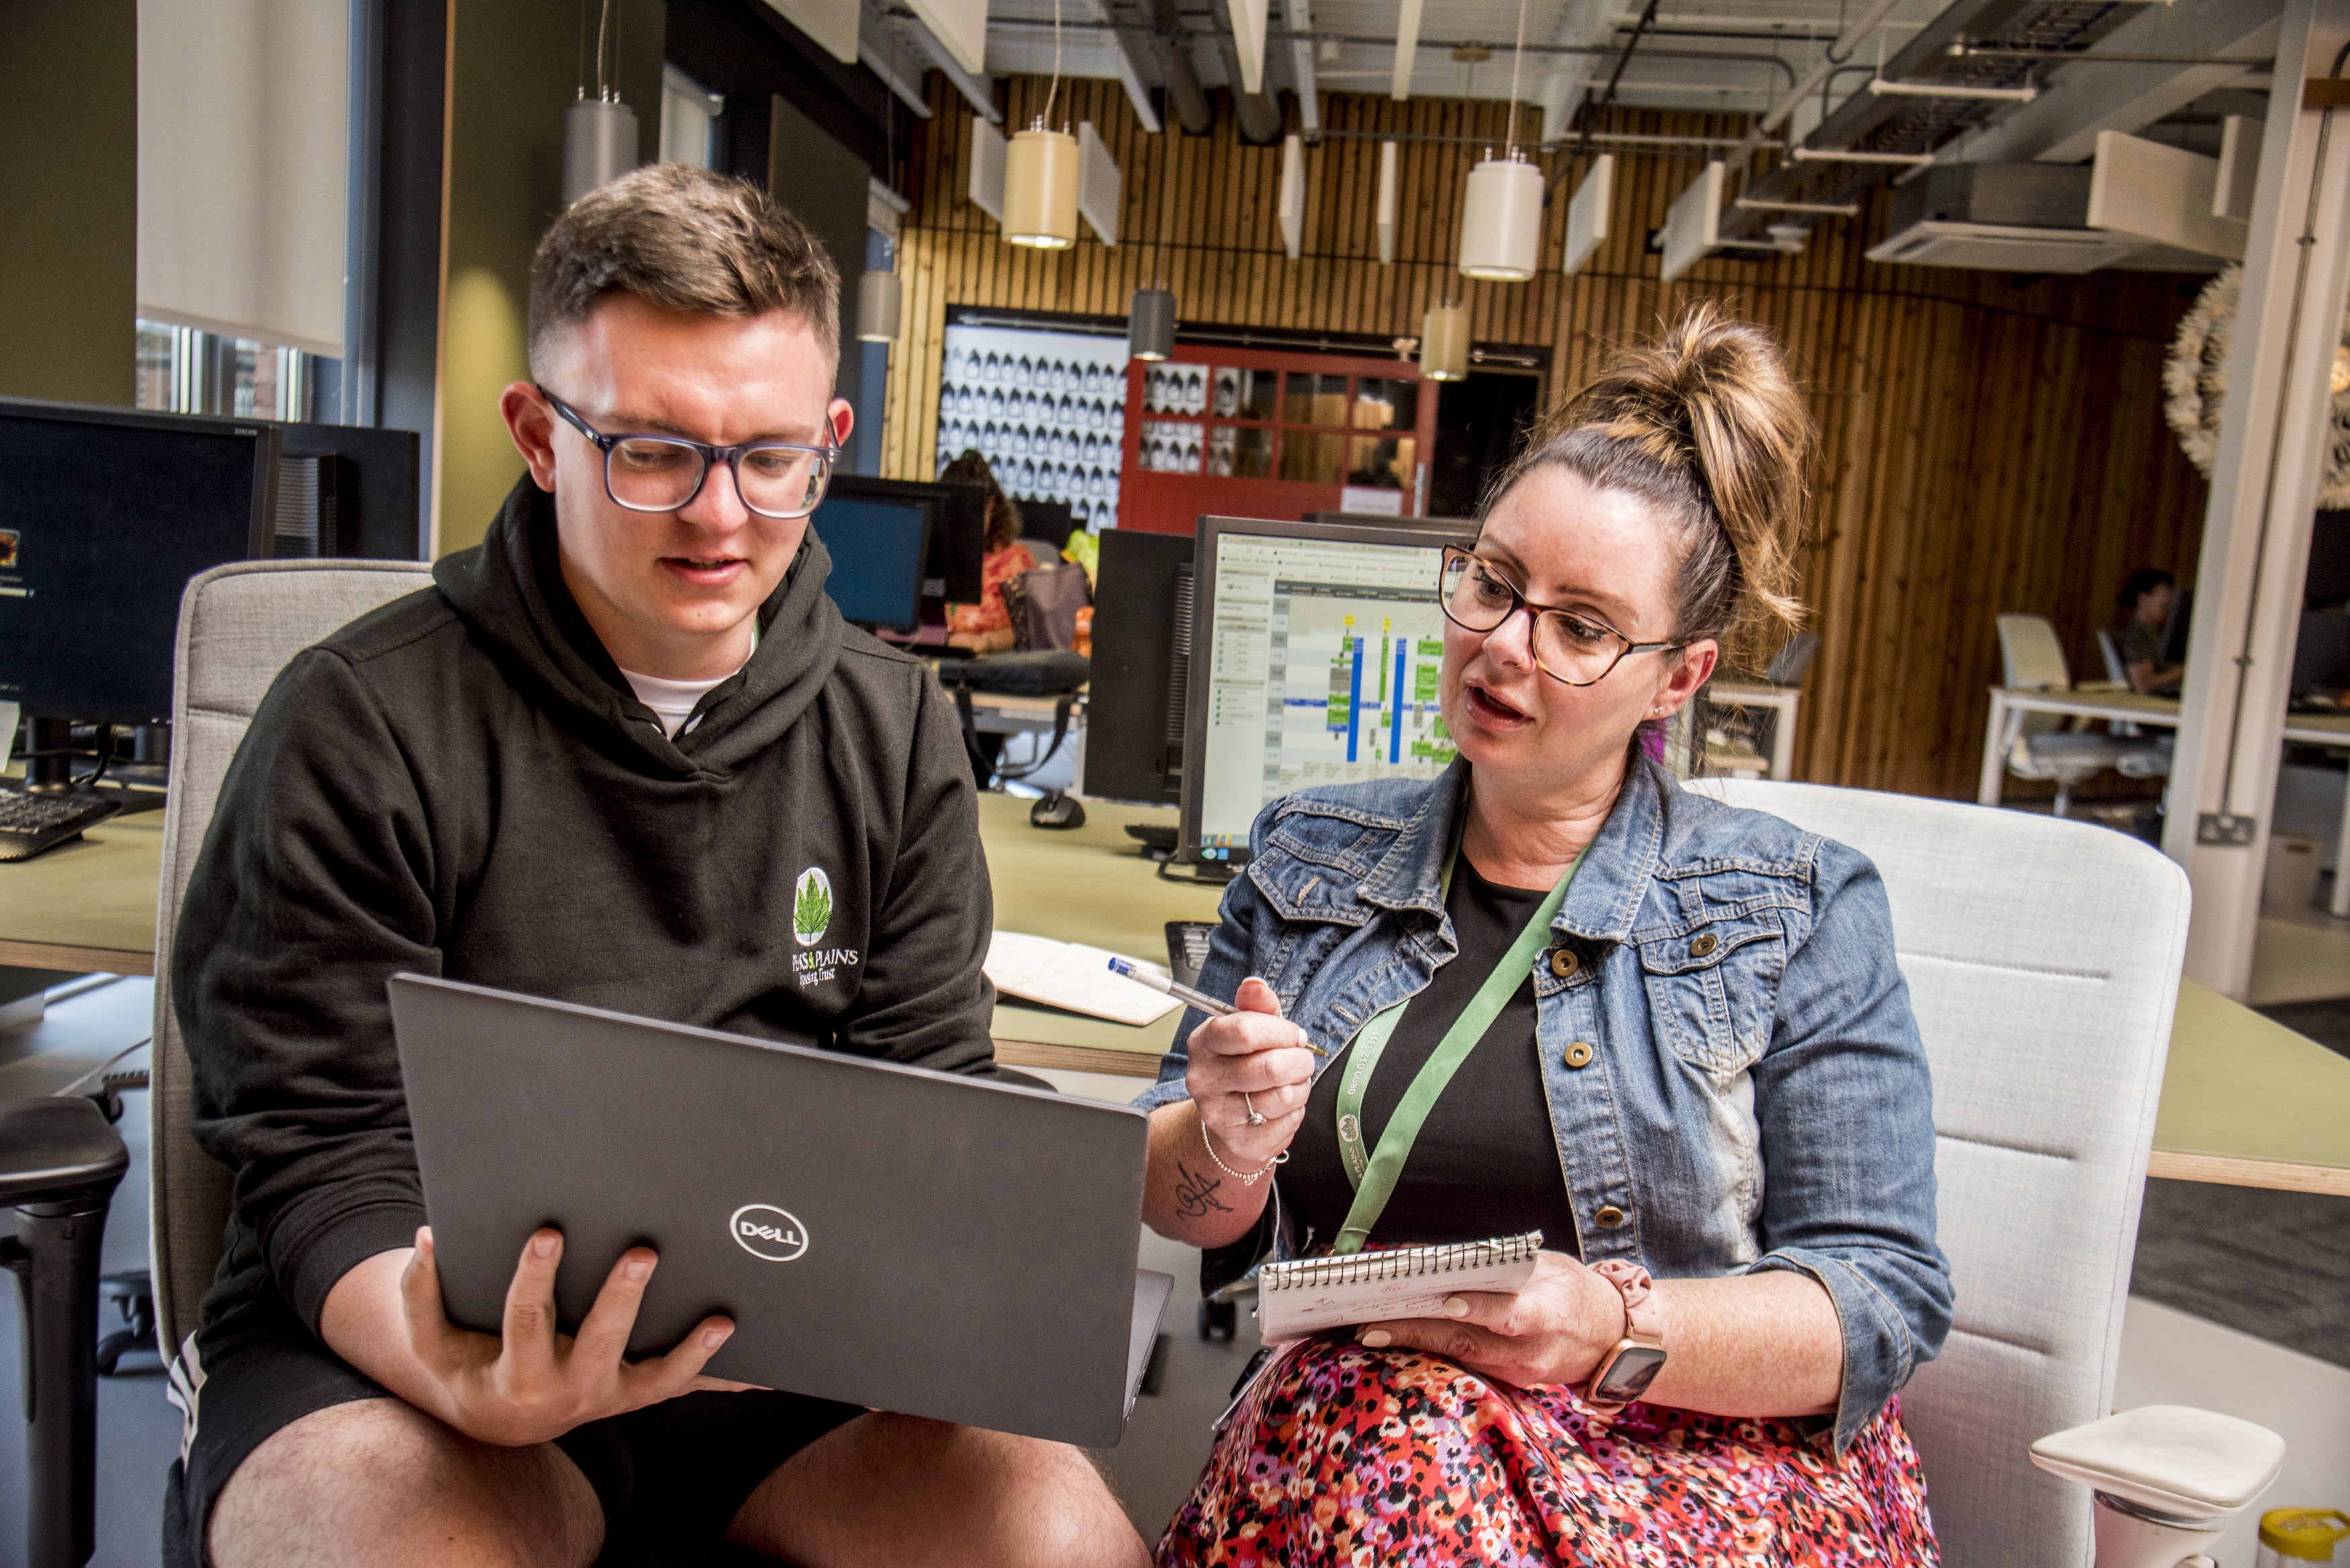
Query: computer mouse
x,y
1057,810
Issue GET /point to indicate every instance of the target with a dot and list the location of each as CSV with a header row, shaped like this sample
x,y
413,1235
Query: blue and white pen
x,y
1181,992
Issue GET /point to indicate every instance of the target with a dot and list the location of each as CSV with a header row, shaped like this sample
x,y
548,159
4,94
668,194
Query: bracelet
x,y
1247,1178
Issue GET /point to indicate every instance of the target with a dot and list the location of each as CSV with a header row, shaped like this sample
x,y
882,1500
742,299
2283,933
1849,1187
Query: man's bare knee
x,y
376,1481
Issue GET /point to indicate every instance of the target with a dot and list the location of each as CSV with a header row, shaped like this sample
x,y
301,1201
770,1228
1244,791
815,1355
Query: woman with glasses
x,y
1553,993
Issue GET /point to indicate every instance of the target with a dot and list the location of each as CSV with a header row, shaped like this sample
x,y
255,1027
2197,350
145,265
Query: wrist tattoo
x,y
1195,1194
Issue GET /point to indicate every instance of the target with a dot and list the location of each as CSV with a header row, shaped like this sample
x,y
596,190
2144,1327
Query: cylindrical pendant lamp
x,y
1444,343
1500,222
1150,324
599,145
878,298
1040,189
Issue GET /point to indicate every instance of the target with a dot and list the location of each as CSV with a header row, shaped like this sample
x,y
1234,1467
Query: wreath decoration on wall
x,y
2195,385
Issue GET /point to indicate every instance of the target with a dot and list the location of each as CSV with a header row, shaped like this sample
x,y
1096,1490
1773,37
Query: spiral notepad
x,y
1305,1295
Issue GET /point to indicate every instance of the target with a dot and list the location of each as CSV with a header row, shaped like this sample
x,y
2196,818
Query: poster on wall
x,y
1048,408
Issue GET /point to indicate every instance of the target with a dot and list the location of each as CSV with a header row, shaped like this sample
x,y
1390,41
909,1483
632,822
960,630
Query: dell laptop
x,y
887,1236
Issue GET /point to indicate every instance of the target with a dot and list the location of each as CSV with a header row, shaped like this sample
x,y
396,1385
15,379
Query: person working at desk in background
x,y
2148,597
1694,1055
626,754
986,626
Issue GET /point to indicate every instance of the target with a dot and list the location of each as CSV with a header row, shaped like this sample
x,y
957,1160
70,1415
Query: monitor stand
x,y
135,785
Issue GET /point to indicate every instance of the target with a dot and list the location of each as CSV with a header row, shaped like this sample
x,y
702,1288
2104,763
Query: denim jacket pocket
x,y
1713,990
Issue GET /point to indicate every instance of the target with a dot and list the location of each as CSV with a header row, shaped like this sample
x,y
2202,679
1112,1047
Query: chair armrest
x,y
56,1148
2188,1463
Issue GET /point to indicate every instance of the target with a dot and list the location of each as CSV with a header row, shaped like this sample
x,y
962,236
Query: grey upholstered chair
x,y
2042,959
239,625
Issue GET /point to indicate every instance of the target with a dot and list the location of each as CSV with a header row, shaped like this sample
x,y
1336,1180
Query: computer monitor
x,y
104,516
1136,703
879,550
1048,520
957,537
348,490
1322,644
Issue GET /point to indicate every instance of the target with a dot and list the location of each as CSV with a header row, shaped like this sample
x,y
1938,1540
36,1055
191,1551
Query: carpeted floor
x,y
2274,1264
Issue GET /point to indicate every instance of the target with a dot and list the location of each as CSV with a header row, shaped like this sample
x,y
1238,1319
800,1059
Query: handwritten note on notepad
x,y
1306,1296
1074,976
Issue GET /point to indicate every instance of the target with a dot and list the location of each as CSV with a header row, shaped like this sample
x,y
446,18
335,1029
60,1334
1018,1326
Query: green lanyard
x,y
1374,1179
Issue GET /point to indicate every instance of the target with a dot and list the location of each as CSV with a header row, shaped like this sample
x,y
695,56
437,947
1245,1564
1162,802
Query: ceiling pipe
x,y
1257,114
1192,110
1838,53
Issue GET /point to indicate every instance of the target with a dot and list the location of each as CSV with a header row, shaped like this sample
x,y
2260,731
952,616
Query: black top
x,y
1486,1162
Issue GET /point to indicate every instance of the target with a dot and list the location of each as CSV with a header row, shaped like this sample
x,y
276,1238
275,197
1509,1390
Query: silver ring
x,y
1256,1117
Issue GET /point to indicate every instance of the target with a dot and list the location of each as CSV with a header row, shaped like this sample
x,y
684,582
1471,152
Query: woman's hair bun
x,y
1706,425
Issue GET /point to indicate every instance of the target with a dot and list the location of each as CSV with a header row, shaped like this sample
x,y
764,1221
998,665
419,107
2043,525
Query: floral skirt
x,y
1343,1455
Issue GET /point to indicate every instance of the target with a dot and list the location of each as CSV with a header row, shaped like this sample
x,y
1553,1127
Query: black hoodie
x,y
461,784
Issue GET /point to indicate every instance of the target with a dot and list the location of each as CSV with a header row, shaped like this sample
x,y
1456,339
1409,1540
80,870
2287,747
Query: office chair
x,y
2042,959
60,1162
2037,746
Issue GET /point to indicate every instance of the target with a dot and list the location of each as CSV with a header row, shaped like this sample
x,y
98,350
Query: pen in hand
x,y
1181,992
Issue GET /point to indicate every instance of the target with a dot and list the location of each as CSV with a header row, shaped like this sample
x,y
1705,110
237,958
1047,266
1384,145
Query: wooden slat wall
x,y
1987,444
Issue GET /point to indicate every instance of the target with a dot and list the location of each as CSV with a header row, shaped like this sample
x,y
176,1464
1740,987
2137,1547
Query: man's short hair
x,y
2142,582
684,239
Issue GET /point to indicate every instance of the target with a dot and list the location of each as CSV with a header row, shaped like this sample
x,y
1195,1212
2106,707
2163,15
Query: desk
x,y
2245,1102
2162,714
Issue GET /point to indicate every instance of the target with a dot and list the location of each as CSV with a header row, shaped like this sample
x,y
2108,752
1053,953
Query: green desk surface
x,y
2248,1101
88,904
2244,1101
1085,885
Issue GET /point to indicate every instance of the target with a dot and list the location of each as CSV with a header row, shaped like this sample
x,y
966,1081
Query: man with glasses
x,y
625,753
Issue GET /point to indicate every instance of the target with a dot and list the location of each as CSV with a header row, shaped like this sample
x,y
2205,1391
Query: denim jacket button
x,y
1579,1053
1703,946
1609,1218
1564,963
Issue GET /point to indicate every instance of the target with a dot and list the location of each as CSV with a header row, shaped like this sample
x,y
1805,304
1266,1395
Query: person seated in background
x,y
986,626
589,763
1561,993
2148,597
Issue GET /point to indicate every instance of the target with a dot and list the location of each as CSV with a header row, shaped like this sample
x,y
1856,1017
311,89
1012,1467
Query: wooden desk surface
x,y
2245,1101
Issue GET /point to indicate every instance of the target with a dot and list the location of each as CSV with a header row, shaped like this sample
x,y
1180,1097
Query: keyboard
x,y
30,822
1187,948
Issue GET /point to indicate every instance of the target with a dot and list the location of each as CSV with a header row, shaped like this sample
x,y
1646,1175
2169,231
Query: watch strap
x,y
1642,1314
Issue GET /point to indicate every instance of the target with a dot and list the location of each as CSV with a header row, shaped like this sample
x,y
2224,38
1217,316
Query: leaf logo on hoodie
x,y
812,906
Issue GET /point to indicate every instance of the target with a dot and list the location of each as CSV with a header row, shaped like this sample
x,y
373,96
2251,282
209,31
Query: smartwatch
x,y
1632,1362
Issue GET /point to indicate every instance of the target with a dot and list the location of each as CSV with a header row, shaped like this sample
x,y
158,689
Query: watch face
x,y
1628,1377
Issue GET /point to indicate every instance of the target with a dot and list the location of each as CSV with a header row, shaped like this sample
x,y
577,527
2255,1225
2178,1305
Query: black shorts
x,y
675,1472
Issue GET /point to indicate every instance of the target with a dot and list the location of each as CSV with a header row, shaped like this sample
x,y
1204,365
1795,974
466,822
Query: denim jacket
x,y
1755,1094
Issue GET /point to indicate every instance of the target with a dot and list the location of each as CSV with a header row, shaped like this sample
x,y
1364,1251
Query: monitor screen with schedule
x,y
1321,644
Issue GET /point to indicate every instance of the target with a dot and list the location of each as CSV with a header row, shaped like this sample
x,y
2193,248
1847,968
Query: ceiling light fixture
x,y
600,133
1150,319
1500,219
1444,343
1040,174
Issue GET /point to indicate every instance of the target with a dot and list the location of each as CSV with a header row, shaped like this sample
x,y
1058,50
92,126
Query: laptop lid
x,y
911,1240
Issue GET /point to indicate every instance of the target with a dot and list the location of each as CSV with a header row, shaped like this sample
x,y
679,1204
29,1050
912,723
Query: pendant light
x,y
1150,320
879,300
1444,343
880,296
600,133
1040,174
1500,219
1150,324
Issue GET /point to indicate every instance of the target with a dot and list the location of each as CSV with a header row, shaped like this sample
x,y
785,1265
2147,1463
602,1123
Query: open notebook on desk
x,y
1076,977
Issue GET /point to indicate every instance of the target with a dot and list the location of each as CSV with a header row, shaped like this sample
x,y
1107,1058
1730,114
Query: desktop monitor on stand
x,y
107,514
350,491
958,547
1141,662
1323,641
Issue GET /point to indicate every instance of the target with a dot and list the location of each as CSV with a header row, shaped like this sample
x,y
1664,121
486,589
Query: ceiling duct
x,y
1999,217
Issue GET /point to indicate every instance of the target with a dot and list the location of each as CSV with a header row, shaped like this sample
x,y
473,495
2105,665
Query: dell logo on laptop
x,y
766,1232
